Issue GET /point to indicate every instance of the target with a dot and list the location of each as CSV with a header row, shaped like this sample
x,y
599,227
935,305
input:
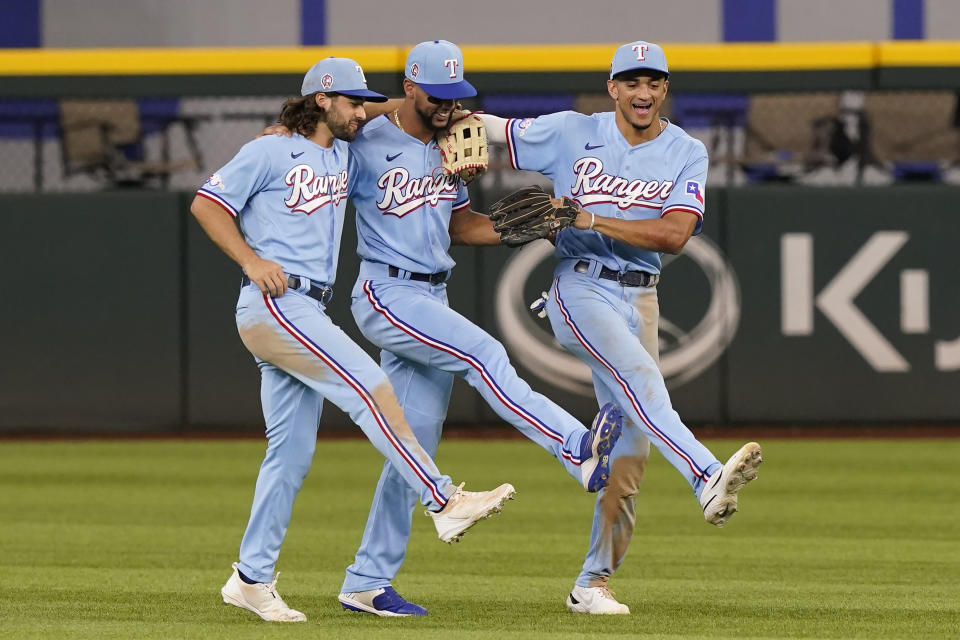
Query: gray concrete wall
x,y
942,20
170,23
826,20
148,23
527,21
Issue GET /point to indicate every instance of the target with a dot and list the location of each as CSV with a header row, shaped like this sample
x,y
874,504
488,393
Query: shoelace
x,y
459,493
605,592
271,587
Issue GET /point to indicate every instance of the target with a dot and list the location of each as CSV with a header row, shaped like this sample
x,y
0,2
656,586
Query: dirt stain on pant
x,y
282,350
618,509
648,306
386,400
619,500
389,406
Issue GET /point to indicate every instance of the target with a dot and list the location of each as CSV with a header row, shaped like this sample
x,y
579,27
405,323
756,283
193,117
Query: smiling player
x,y
277,209
408,213
640,183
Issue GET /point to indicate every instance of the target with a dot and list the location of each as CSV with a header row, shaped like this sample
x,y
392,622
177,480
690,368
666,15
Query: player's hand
x,y
267,275
582,221
275,130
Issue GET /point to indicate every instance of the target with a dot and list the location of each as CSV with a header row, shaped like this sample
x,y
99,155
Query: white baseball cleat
x,y
465,508
719,495
596,600
261,598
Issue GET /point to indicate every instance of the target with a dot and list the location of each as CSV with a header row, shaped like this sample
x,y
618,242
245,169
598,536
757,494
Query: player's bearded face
x,y
435,113
344,117
639,99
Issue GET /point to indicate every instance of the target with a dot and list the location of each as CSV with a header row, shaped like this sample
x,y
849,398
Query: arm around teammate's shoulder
x,y
496,128
550,126
374,109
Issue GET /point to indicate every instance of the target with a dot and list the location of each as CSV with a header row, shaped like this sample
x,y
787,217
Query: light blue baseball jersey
x,y
403,199
589,160
289,195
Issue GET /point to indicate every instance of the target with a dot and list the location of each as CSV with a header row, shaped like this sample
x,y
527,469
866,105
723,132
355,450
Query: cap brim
x,y
641,68
453,91
366,94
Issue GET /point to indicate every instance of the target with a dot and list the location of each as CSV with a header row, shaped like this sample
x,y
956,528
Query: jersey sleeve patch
x,y
695,189
515,126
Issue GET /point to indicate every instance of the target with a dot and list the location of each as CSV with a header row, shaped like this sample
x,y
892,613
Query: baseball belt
x,y
625,278
321,294
433,278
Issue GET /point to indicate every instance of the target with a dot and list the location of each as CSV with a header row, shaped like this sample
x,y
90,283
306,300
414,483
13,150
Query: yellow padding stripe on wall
x,y
930,53
489,58
253,60
680,57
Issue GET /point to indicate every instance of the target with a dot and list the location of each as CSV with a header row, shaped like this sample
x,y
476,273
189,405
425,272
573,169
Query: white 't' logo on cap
x,y
641,50
452,65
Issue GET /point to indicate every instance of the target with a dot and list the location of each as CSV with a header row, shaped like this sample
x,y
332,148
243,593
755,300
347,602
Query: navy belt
x,y
433,278
625,278
321,294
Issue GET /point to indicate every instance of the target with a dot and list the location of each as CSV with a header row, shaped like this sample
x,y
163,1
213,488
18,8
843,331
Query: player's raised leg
x,y
413,320
291,334
424,394
591,321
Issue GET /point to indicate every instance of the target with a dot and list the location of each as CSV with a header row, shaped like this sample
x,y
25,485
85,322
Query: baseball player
x,y
640,182
288,196
408,212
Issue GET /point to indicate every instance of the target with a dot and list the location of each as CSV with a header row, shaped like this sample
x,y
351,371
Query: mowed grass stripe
x,y
837,539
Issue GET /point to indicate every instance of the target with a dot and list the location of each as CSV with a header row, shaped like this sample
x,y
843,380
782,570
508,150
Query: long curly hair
x,y
302,115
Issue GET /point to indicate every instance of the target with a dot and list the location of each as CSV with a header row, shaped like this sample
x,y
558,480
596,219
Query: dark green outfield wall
x,y
246,84
833,305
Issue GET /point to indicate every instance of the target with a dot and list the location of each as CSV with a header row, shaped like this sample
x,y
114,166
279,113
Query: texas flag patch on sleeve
x,y
695,189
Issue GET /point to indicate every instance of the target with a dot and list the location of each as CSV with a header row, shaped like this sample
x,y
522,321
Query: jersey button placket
x,y
624,171
424,216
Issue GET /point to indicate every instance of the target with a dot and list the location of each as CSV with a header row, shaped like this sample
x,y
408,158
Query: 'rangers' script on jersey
x,y
592,186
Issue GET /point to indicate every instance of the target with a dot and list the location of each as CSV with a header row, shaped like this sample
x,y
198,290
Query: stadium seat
x,y
105,138
790,134
914,133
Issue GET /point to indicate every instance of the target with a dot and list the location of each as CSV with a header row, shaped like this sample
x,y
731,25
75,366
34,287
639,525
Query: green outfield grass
x,y
837,539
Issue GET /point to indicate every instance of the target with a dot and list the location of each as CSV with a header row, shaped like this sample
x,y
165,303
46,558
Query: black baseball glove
x,y
528,214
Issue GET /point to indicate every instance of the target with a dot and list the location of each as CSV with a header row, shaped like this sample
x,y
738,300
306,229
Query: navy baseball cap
x,y
639,55
339,75
437,66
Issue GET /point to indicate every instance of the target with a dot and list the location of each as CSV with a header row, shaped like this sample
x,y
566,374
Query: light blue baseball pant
x,y
425,343
305,358
613,329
